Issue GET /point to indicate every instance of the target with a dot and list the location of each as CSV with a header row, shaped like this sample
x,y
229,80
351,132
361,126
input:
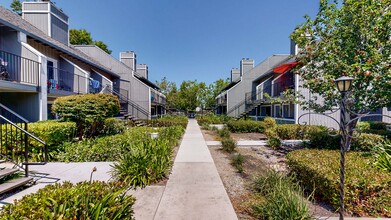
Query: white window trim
x,y
275,115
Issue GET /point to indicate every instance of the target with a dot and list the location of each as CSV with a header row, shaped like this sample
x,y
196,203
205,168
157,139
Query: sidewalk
x,y
194,189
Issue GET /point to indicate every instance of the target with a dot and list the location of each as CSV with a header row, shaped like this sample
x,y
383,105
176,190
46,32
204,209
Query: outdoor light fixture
x,y
344,83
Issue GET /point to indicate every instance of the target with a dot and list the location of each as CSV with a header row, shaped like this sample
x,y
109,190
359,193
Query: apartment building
x,y
38,65
261,95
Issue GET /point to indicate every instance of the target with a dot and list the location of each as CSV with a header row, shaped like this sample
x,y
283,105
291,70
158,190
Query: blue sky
x,y
192,39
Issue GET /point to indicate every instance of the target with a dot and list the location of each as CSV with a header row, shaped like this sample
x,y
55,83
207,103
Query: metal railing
x,y
156,98
62,80
15,68
133,108
16,142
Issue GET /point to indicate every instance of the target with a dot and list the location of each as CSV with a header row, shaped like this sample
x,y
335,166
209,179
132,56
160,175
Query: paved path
x,y
194,189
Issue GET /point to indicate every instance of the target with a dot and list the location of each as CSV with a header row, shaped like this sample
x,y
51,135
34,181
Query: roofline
x,y
56,47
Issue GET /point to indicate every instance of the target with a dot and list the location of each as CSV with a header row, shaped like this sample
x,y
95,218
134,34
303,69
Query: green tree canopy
x,y
347,38
83,37
16,7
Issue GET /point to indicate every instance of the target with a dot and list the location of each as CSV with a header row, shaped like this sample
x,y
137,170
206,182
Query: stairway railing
x,y
136,110
15,141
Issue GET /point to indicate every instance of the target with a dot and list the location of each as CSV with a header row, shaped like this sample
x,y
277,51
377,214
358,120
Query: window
x,y
266,111
285,110
277,111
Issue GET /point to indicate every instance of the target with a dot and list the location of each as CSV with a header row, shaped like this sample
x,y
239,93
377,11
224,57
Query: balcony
x,y
158,98
279,88
222,100
62,82
17,69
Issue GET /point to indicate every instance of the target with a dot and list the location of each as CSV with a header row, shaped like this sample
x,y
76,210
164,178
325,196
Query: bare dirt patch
x,y
257,160
248,136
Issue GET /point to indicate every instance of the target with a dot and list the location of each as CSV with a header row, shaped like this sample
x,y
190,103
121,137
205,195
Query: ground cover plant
x,y
280,197
140,158
367,188
85,200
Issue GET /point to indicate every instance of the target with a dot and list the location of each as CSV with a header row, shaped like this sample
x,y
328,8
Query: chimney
x,y
246,65
48,18
235,74
129,59
294,48
142,70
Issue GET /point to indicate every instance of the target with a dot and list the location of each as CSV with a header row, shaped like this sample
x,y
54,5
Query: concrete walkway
x,y
194,189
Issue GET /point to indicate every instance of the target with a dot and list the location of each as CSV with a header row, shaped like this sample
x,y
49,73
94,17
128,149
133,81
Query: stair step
x,y
7,172
12,184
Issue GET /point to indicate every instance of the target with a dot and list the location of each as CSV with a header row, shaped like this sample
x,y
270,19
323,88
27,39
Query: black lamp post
x,y
343,85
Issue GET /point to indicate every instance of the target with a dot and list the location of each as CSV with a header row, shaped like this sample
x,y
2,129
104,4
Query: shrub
x,y
53,132
367,189
88,111
295,131
224,133
282,198
245,126
113,126
366,142
237,161
96,200
363,126
213,119
272,138
269,123
228,145
167,121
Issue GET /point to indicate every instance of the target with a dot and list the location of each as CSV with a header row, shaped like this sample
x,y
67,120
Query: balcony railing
x,y
15,68
62,80
157,98
222,100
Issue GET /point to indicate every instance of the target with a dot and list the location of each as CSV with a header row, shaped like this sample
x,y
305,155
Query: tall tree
x,y
83,37
347,38
169,89
16,7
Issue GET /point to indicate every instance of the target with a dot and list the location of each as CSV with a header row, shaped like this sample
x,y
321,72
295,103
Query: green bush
x,y
228,145
213,119
237,161
321,139
53,132
379,128
366,142
272,138
96,200
245,126
167,121
224,132
281,198
367,189
295,131
269,123
88,111
113,126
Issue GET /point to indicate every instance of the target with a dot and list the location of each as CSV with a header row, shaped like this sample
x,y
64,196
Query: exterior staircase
x,y
14,151
129,110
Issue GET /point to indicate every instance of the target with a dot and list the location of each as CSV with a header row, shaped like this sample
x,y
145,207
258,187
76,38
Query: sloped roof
x,y
16,22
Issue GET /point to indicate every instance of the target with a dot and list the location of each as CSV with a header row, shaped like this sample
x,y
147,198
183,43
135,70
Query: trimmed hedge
x,y
367,189
96,200
245,126
53,132
88,111
295,131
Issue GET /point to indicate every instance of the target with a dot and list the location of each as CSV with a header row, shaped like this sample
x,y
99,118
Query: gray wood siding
x,y
36,6
387,111
237,93
9,41
315,119
25,104
59,30
39,20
